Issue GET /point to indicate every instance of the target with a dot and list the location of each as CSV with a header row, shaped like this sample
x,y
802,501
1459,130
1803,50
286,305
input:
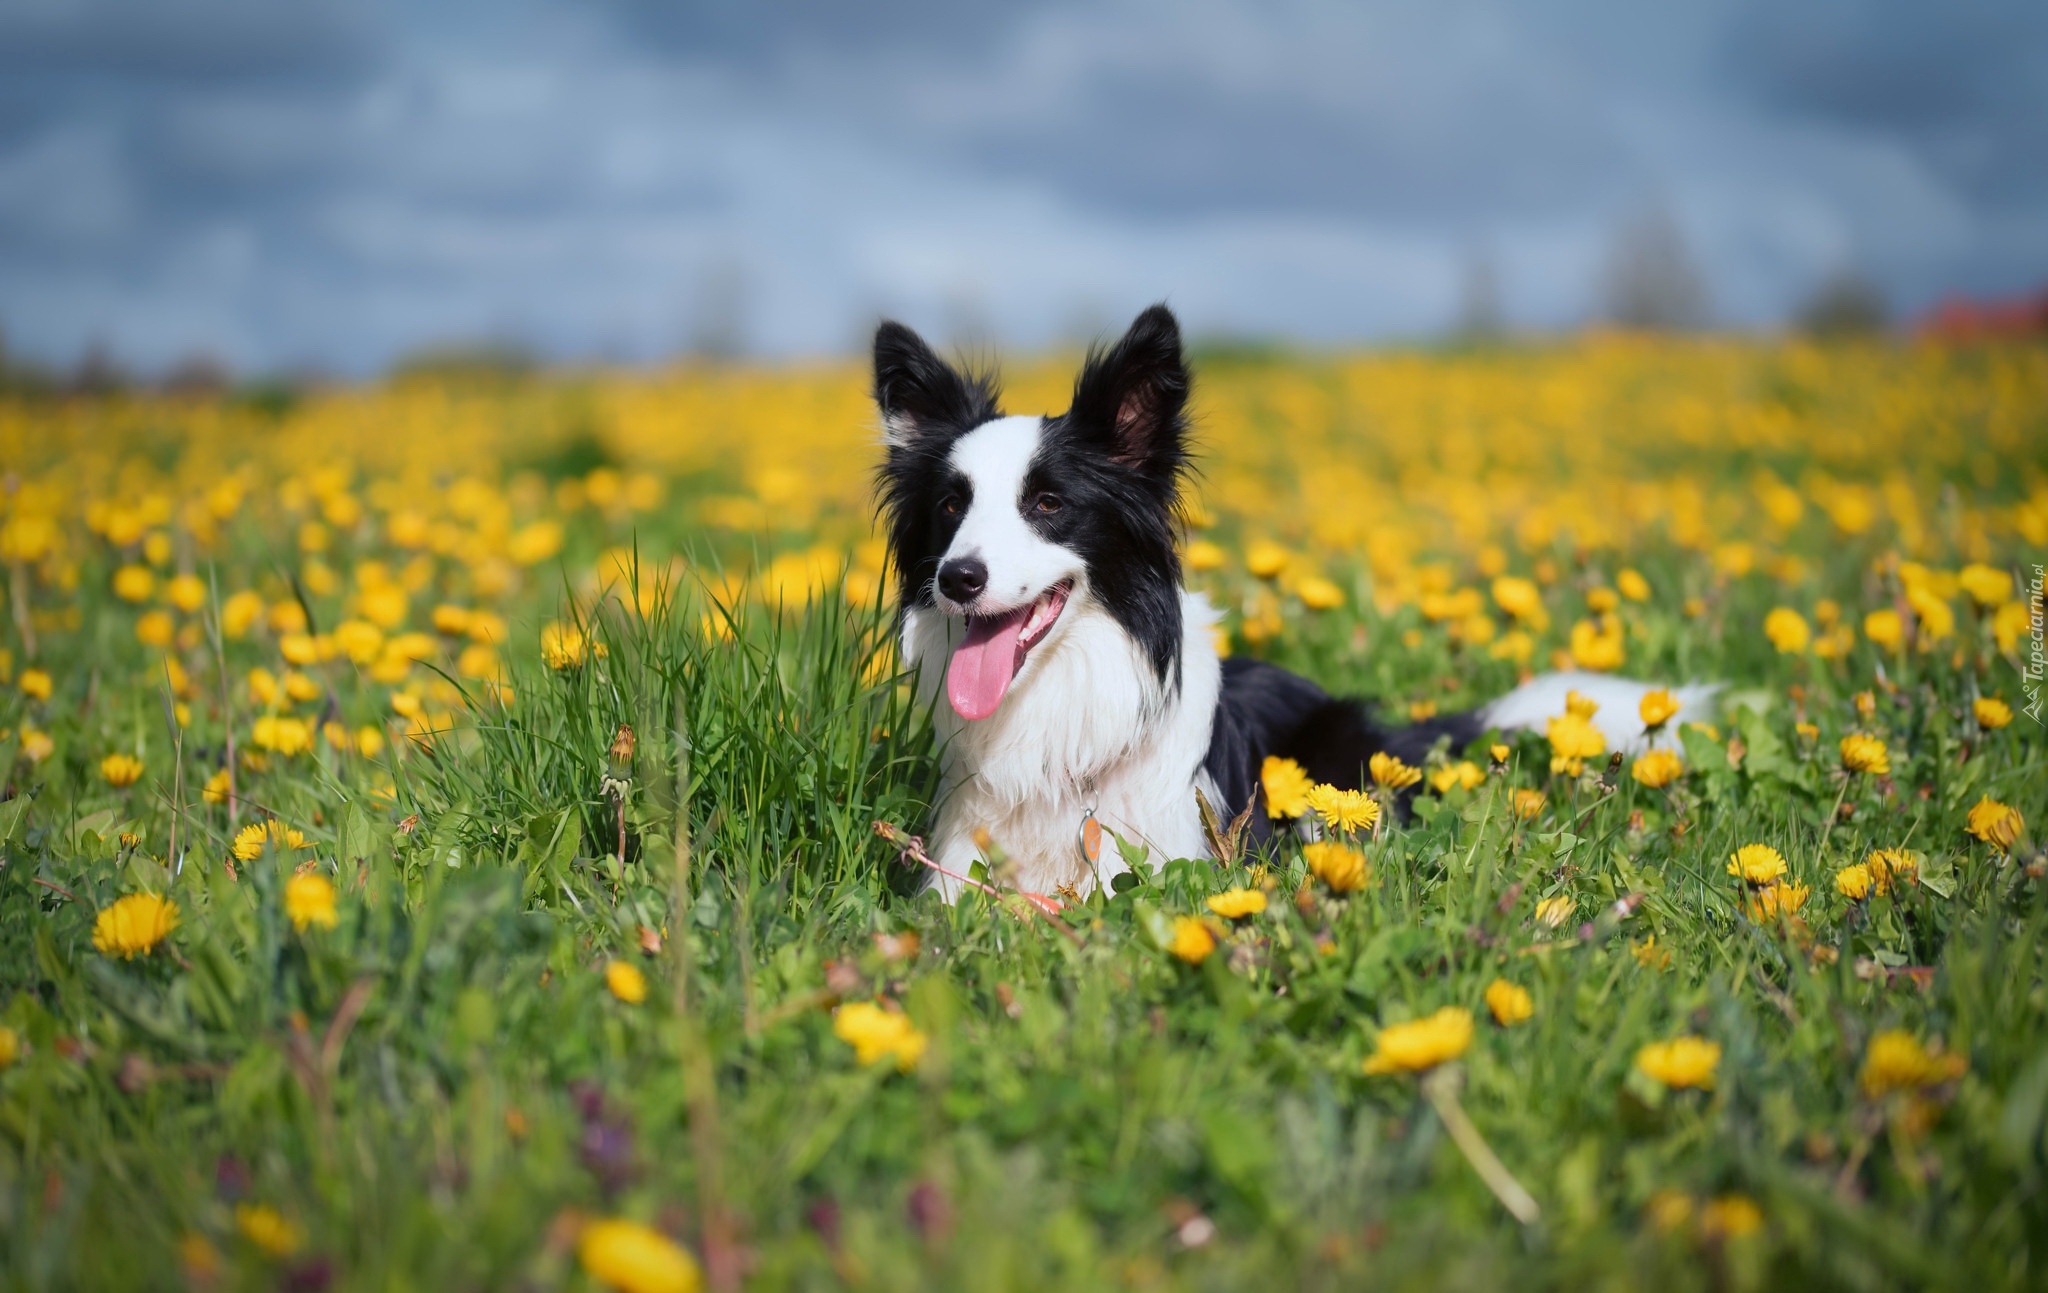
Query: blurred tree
x,y
1846,304
718,315
1480,316
1651,281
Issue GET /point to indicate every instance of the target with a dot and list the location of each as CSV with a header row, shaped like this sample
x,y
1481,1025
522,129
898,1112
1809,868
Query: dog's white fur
x,y
1086,724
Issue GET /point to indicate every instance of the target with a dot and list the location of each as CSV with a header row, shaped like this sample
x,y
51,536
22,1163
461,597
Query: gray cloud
x,y
335,183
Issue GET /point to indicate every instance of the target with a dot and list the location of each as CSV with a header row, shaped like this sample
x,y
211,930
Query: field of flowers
x,y
439,847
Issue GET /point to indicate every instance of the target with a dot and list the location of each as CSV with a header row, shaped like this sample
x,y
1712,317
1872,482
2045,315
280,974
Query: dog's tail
x,y
1534,703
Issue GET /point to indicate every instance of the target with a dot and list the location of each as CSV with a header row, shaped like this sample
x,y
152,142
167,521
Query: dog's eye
x,y
1047,503
951,507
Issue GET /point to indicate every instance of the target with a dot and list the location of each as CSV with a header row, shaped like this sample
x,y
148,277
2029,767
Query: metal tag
x,y
1091,839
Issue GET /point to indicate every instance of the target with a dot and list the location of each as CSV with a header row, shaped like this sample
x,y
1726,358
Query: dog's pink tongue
x,y
984,663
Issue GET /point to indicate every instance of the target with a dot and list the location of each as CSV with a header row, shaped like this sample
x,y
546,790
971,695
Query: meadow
x,y
440,849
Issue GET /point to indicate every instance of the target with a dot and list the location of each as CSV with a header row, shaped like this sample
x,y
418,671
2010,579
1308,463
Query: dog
x,y
1075,684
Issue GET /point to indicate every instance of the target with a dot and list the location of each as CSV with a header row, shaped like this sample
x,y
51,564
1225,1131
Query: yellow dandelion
x,y
132,926
1987,586
1319,594
1286,786
1867,754
1854,881
1731,1216
35,684
1885,629
1657,769
1509,1003
1554,911
1657,708
1996,824
1344,810
1203,556
1776,899
1193,940
1787,630
1992,713
1265,559
1573,740
563,646
1389,773
1235,904
1422,1043
1343,868
1897,1061
251,840
1462,775
635,1258
309,900
877,1034
1891,866
121,770
215,791
267,1228
1529,804
1681,1062
1757,864
624,981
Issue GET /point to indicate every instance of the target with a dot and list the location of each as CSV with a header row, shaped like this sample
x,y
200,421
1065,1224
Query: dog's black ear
x,y
1135,394
921,395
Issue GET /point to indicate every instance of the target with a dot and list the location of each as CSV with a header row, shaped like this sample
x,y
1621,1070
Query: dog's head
x,y
1014,522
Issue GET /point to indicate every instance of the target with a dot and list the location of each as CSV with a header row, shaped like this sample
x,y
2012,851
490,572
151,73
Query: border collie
x,y
1040,586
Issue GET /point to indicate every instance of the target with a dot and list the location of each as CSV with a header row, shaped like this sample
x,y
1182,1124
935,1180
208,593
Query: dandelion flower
x,y
1462,775
309,900
1996,824
1192,939
215,791
1422,1043
1854,881
1265,559
1286,785
1787,630
1987,586
1885,629
121,770
1389,773
1319,594
1344,810
1203,556
132,926
1757,864
1598,646
1731,1216
265,1227
876,1034
1682,1062
1657,708
1777,899
1992,713
1631,584
1510,1003
1891,866
1579,705
635,1258
134,583
1897,1061
1573,740
35,684
10,1047
1235,904
1338,865
1649,955
563,646
1657,769
36,745
1554,911
251,840
624,980
1518,597
1528,804
1867,754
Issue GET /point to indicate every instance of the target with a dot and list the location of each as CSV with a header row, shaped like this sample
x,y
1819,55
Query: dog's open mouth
x,y
994,650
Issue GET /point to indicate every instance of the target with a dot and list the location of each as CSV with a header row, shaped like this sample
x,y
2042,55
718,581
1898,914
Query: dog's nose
x,y
963,578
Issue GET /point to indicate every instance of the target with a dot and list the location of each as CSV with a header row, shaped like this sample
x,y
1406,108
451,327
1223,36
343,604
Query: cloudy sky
x,y
329,183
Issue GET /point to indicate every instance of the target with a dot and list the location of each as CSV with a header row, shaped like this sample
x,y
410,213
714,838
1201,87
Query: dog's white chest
x,y
1087,728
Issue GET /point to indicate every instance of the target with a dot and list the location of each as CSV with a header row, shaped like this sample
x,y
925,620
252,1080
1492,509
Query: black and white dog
x,y
1040,587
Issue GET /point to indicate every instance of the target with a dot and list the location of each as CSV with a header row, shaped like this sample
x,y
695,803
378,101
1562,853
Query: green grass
x,y
437,1088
